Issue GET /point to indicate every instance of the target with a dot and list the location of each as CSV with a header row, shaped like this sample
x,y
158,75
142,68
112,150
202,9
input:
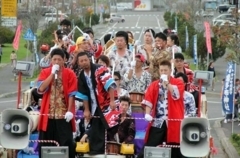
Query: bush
x,y
235,139
106,16
6,35
47,36
95,19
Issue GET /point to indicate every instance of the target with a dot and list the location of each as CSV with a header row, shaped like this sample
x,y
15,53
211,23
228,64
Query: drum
x,y
136,99
113,148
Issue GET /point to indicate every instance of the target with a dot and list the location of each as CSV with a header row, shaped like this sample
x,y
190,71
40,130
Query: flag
x,y
195,56
228,94
187,37
176,24
208,36
17,35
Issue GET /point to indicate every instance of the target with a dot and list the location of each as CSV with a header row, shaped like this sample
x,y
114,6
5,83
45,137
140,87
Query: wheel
x,y
111,21
123,20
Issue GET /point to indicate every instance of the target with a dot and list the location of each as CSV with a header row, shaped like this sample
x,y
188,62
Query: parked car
x,y
114,17
52,17
224,7
223,22
224,17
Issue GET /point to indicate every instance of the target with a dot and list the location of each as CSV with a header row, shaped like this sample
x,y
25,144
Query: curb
x,y
225,142
11,94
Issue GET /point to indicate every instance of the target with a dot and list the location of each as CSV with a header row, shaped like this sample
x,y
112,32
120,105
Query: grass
x,y
235,140
21,53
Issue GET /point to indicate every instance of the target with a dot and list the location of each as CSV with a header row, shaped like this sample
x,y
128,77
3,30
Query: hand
x,y
137,42
86,36
133,64
148,117
164,78
112,105
68,116
83,139
87,115
55,68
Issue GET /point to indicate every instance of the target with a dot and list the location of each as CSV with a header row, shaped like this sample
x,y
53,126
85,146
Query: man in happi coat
x,y
96,88
58,86
164,98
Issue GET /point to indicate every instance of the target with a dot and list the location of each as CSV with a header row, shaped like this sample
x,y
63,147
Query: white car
x,y
223,22
224,17
115,18
52,17
122,8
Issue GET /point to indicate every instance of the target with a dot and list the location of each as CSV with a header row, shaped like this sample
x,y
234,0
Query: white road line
x,y
7,101
214,102
218,118
108,31
159,25
137,21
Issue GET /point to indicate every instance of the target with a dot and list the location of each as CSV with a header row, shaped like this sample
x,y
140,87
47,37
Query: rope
x,y
136,118
45,141
169,146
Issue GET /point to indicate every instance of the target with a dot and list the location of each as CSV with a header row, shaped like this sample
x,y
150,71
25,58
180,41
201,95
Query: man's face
x,y
124,105
84,62
148,37
84,45
139,63
57,59
179,63
120,42
164,70
160,43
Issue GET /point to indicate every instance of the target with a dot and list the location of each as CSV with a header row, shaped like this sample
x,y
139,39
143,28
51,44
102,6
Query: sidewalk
x,y
7,83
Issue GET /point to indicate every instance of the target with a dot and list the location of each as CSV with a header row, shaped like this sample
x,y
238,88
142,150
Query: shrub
x,y
6,35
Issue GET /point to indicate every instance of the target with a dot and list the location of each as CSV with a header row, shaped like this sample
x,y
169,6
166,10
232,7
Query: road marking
x,y
218,118
137,21
108,31
159,25
214,102
7,101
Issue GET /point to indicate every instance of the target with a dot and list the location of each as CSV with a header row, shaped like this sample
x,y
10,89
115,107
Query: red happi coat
x,y
69,81
175,109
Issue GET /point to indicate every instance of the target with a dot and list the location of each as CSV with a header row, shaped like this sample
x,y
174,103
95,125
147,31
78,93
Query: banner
x,y
208,36
17,36
195,56
142,5
228,94
187,37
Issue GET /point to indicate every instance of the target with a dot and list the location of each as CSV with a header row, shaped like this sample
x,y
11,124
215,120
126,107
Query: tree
x,y
228,36
217,48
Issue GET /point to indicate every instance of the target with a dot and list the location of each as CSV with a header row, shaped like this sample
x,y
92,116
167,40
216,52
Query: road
x,y
134,22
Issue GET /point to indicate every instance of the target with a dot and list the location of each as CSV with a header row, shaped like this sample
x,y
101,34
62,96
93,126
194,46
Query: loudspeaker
x,y
194,140
14,129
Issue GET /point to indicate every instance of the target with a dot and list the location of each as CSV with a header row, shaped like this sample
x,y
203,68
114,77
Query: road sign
x,y
9,21
9,12
29,35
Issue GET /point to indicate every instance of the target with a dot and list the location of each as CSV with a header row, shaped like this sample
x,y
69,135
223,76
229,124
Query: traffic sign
x,y
9,13
29,35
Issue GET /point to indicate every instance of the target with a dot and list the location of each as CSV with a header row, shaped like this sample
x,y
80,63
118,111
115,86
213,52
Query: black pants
x,y
97,137
60,131
156,137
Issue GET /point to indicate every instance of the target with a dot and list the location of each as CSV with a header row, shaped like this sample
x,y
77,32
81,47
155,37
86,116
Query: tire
x,y
111,21
123,20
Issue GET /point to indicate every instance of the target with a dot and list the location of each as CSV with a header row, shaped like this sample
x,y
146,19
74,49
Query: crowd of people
x,y
87,75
